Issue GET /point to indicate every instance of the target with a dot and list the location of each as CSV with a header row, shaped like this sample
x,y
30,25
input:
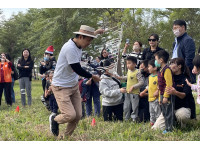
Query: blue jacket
x,y
186,50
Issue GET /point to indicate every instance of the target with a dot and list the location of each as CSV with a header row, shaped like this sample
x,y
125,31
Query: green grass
x,y
31,124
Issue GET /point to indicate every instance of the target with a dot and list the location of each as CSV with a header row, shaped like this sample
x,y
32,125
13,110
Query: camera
x,y
127,41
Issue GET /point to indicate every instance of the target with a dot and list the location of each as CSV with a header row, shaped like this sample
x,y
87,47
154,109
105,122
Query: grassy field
x,y
32,124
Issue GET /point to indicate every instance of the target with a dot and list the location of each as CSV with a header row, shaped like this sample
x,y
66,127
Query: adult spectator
x,y
104,56
49,63
184,45
25,66
148,53
14,75
65,80
5,78
92,94
136,52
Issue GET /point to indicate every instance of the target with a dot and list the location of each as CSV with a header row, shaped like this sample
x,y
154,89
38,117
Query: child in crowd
x,y
164,80
143,109
134,81
49,94
109,87
196,70
152,89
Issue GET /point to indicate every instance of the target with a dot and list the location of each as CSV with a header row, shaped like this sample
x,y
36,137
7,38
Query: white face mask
x,y
111,71
177,32
136,47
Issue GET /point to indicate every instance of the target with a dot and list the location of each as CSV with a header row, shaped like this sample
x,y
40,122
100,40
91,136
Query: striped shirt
x,y
135,54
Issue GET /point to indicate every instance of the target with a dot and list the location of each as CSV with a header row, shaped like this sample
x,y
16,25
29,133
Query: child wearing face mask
x,y
196,71
135,81
111,91
166,101
143,110
152,89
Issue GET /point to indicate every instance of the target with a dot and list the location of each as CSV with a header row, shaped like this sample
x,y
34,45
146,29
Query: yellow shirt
x,y
132,80
153,86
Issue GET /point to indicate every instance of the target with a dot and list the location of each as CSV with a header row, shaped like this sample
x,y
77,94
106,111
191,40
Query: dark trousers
x,y
7,87
43,84
53,104
83,110
168,113
143,110
192,106
113,112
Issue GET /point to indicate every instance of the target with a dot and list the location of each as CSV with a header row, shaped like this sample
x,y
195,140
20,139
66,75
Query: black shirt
x,y
25,72
181,86
148,54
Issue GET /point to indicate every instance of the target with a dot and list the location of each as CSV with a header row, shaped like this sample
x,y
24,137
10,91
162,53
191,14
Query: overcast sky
x,y
7,12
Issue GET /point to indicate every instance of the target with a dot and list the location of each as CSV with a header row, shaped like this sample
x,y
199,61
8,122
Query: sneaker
x,y
54,126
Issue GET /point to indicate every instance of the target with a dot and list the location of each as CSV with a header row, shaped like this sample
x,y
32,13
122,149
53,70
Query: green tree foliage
x,y
39,28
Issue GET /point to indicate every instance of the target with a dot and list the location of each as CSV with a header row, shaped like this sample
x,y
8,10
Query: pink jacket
x,y
197,89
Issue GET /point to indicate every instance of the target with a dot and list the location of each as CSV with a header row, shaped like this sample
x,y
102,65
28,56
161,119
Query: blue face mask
x,y
157,64
46,58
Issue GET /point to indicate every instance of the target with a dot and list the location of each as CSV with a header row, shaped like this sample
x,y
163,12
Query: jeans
x,y
97,106
12,91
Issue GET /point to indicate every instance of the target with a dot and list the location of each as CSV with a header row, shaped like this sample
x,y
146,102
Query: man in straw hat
x,y
65,80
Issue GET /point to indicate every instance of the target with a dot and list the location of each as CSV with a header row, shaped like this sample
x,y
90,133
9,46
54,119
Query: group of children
x,y
164,92
161,91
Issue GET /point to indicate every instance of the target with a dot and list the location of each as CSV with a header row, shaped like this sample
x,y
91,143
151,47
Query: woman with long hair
x,y
136,52
181,91
25,66
104,56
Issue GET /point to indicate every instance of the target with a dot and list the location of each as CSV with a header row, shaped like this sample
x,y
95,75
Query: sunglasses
x,y
152,40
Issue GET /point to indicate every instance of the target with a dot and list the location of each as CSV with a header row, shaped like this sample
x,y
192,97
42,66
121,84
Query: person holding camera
x,y
14,75
137,51
5,78
49,63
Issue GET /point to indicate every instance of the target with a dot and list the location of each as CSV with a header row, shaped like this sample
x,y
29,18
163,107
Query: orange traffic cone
x,y
93,122
17,109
